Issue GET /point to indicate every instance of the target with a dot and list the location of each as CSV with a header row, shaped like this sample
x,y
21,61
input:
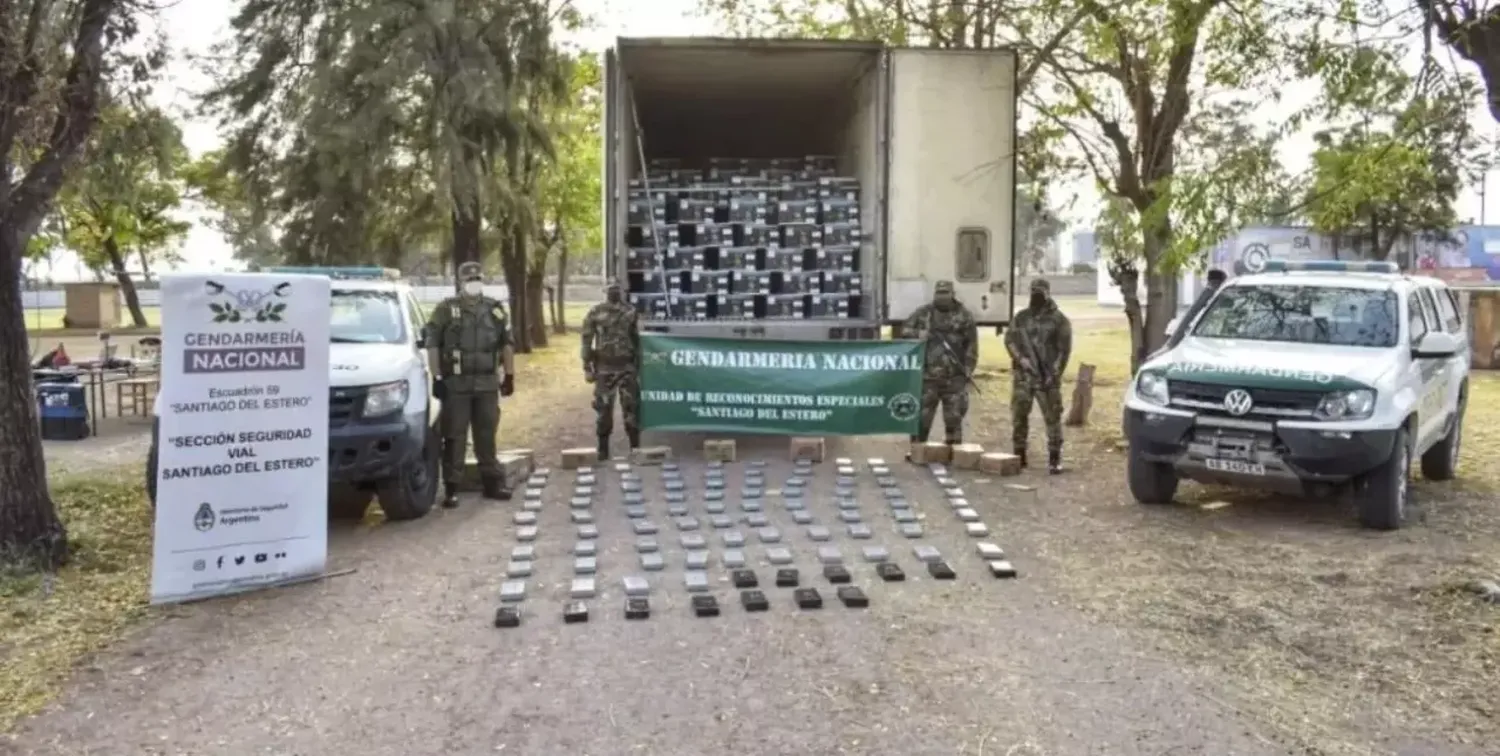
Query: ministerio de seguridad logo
x,y
204,519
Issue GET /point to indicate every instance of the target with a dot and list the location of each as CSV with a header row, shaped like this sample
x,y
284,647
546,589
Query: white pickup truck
x,y
1305,378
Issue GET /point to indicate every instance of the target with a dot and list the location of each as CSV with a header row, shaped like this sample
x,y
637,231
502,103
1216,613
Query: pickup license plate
x,y
1234,466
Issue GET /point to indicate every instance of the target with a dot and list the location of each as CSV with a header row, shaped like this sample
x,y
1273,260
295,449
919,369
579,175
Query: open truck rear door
x,y
951,179
612,219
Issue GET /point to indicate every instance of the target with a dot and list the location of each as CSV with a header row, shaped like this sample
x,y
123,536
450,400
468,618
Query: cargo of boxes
x,y
745,239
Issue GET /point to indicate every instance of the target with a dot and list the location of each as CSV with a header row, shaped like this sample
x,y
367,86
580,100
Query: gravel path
x,y
400,658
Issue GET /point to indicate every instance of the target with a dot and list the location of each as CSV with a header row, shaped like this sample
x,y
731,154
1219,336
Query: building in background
x,y
1469,254
1085,251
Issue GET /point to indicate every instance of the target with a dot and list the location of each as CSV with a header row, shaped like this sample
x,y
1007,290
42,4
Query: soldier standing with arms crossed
x,y
468,342
611,361
1040,340
952,337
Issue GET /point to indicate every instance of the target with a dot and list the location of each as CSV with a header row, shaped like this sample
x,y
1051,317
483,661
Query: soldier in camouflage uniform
x,y
1040,340
611,361
952,338
468,344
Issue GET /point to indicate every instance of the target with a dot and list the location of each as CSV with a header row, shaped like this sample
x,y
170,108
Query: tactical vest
x,y
470,345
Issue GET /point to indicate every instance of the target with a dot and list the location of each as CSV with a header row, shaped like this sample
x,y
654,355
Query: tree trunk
x,y
127,285
30,531
465,239
536,297
145,265
560,323
1128,278
514,268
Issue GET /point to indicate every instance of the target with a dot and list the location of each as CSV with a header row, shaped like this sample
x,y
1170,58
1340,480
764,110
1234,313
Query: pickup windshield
x,y
366,317
1302,315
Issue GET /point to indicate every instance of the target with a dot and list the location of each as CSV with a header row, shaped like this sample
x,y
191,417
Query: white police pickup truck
x,y
383,438
1307,378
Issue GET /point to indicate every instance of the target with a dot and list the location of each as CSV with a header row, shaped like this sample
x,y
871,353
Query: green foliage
x,y
121,202
568,188
244,223
1470,28
1394,169
367,131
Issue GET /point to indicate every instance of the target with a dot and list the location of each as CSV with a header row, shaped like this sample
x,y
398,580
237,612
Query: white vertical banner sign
x,y
242,462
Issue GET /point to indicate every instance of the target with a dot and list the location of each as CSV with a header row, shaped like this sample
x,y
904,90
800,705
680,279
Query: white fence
x,y
585,289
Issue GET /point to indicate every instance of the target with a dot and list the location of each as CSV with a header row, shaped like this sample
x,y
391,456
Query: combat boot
x,y
494,488
635,439
1054,461
603,447
450,496
1020,451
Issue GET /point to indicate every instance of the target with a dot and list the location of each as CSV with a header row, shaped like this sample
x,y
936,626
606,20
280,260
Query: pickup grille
x,y
345,405
1266,403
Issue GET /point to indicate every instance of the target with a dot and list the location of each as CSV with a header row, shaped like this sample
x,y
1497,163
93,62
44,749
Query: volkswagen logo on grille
x,y
1237,402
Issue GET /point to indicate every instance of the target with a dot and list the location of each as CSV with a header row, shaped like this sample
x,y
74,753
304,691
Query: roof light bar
x,y
1329,266
342,273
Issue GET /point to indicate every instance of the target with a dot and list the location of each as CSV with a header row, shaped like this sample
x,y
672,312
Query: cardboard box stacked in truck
x,y
807,189
745,239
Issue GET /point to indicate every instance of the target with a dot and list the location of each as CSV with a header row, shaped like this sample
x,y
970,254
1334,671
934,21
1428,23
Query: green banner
x,y
798,388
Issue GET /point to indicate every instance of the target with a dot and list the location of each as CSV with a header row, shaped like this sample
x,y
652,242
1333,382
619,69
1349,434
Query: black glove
x,y
439,391
508,386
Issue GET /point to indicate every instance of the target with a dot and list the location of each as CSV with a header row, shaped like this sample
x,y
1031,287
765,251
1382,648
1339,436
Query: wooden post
x,y
1083,397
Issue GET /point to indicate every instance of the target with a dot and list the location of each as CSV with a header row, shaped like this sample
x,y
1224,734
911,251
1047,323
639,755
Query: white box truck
x,y
928,134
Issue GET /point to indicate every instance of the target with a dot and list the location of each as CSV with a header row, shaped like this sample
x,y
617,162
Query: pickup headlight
x,y
1347,405
386,398
1151,387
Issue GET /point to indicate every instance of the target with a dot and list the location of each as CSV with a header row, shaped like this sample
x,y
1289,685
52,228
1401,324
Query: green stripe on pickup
x,y
1254,376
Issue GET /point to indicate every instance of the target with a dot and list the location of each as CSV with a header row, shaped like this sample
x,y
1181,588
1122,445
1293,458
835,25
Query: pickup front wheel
x,y
1150,482
411,494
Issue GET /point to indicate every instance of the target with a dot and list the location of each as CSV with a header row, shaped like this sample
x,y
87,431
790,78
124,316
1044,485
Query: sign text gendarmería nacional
x,y
242,433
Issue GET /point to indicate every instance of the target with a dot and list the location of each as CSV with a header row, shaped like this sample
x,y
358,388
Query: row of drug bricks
x,y
812,449
753,599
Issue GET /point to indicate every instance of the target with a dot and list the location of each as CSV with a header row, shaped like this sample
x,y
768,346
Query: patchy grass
x,y
1325,629
1479,467
549,386
49,622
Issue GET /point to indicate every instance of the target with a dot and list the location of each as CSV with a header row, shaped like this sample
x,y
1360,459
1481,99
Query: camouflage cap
x,y
470,270
943,287
613,285
1040,286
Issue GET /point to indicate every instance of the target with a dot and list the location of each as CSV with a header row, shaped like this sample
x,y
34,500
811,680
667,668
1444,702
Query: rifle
x,y
1032,354
969,377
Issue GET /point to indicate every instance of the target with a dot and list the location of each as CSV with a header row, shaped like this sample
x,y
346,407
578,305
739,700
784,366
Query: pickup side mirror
x,y
1436,345
1172,326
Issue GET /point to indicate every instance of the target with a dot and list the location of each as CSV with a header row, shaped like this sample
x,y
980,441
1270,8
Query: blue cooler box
x,y
63,410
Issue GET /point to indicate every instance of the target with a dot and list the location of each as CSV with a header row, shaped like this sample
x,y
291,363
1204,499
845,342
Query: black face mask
x,y
1038,300
943,302
614,296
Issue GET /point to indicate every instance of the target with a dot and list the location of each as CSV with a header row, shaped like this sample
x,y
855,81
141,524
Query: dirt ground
x,y
1256,626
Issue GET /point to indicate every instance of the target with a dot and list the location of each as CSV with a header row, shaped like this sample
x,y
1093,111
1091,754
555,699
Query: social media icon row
x,y
199,565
